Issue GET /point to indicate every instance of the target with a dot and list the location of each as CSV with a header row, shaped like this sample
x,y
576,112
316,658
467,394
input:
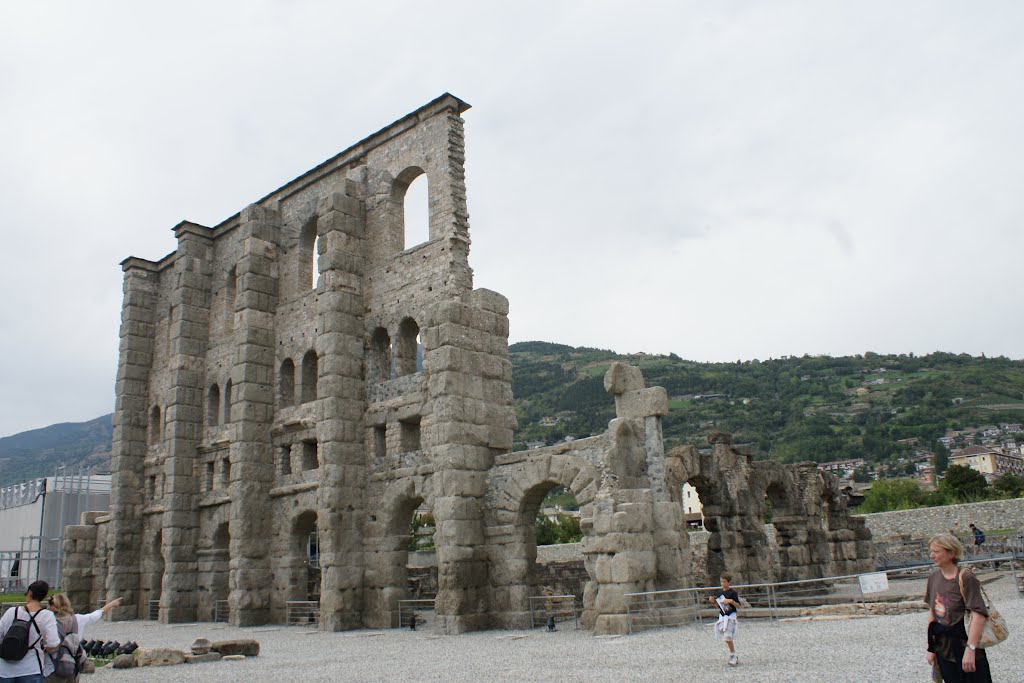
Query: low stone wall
x,y
563,578
926,522
561,552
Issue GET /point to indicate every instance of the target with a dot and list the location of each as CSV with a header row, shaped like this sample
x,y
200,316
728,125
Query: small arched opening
x,y
286,383
230,297
213,406
227,402
307,257
410,199
310,373
407,348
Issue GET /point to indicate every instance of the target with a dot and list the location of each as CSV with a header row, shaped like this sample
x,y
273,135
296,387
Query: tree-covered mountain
x,y
790,409
38,453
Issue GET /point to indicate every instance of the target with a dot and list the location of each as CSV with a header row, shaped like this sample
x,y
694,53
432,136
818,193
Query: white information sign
x,y
874,583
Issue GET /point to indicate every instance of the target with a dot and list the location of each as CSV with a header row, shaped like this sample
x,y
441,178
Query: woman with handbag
x,y
950,594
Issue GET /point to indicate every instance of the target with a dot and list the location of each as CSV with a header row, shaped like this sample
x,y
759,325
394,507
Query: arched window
x,y
213,406
379,362
227,403
286,382
230,296
409,207
155,425
416,211
309,376
407,348
307,267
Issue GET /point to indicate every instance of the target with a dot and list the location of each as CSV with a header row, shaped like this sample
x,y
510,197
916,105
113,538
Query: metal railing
x,y
154,610
896,554
415,613
561,608
302,613
842,595
221,612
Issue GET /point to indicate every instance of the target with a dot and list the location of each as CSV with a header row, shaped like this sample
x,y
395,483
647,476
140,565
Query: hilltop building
x,y
991,462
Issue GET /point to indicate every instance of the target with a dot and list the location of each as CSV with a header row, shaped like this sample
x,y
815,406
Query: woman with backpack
x,y
68,622
26,634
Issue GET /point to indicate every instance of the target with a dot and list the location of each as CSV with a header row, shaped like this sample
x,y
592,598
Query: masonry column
x,y
190,326
744,548
135,362
470,421
251,454
620,551
341,504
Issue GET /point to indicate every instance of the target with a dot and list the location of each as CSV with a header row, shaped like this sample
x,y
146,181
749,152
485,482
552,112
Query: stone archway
x,y
785,521
685,466
152,576
847,538
514,498
389,539
296,571
213,569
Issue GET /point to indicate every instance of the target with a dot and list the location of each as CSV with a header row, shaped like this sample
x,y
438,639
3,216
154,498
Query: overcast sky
x,y
722,180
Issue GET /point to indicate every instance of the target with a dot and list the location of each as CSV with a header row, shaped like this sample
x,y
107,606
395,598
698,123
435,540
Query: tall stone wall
x,y
295,383
923,523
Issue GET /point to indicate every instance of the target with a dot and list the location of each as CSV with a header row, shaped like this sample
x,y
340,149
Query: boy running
x,y
728,601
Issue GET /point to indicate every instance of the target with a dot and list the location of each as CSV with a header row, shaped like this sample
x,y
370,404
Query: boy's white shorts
x,y
725,627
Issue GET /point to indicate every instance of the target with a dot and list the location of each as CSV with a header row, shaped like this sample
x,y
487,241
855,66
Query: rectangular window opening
x,y
310,461
225,474
286,460
410,435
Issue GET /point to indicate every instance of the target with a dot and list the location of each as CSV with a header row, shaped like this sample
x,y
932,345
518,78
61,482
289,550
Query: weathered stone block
x,y
202,658
201,646
247,647
123,662
158,656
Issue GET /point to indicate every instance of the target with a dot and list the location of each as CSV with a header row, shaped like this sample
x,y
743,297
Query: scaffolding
x,y
37,554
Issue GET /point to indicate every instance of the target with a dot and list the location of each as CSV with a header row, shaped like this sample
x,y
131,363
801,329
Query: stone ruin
x,y
276,429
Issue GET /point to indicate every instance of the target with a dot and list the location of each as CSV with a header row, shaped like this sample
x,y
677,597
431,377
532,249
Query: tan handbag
x,y
996,630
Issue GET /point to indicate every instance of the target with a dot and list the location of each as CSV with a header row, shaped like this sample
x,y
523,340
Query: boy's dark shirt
x,y
730,594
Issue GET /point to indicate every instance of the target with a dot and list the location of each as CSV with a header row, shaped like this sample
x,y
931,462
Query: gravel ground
x,y
884,648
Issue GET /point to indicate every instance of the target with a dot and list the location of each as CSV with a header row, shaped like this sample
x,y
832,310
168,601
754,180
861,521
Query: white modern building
x,y
33,515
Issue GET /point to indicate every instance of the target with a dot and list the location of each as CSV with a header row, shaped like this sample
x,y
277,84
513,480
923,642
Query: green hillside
x,y
37,453
790,409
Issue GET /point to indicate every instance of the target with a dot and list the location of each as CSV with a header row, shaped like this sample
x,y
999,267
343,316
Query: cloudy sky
x,y
724,180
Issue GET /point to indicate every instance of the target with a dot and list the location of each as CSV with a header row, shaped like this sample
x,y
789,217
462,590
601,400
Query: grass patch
x,y
8,598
